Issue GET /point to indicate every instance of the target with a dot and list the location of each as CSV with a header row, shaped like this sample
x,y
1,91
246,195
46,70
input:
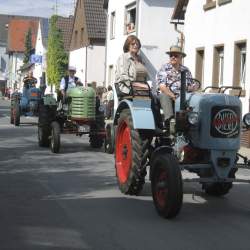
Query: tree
x,y
57,58
28,46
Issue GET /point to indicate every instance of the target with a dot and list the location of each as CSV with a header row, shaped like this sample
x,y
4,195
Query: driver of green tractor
x,y
69,81
170,74
130,67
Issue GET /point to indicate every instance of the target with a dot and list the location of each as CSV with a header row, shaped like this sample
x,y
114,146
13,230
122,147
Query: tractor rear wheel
x,y
166,185
131,153
55,137
109,139
11,116
218,189
43,136
16,114
95,140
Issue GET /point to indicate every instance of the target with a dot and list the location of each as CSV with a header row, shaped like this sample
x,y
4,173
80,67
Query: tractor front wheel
x,y
55,137
131,153
16,114
166,185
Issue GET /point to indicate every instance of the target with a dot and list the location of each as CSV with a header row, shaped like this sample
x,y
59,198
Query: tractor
x,y
81,113
203,138
25,103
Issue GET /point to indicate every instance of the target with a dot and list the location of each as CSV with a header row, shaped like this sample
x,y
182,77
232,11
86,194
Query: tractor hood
x,y
219,120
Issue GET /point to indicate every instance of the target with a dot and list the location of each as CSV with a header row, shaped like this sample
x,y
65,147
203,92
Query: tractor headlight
x,y
101,108
193,118
246,119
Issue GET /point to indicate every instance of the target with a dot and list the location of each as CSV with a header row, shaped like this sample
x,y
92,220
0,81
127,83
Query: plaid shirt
x,y
168,75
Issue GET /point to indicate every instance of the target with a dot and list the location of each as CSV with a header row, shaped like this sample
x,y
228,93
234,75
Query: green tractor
x,y
81,114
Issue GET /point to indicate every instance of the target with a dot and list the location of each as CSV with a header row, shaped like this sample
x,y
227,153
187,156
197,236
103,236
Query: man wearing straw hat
x,y
170,73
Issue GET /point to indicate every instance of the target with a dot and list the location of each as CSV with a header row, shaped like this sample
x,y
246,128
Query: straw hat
x,y
72,68
176,49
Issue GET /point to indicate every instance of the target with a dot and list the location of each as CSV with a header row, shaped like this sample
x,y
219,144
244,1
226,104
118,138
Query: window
x,y
239,77
221,66
199,67
243,67
210,4
82,34
76,37
218,66
221,2
112,25
130,18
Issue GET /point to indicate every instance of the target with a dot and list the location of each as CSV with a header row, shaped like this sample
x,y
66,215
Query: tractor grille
x,y
82,107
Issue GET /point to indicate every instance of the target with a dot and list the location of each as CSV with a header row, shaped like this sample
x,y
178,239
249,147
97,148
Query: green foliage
x,y
57,58
28,46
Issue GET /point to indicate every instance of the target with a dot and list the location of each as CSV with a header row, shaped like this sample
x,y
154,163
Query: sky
x,y
41,8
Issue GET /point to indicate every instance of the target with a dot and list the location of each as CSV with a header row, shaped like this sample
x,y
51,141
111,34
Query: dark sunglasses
x,y
175,55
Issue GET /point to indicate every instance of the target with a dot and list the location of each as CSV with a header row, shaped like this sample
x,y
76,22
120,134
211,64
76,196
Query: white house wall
x,y
14,76
95,63
224,24
154,30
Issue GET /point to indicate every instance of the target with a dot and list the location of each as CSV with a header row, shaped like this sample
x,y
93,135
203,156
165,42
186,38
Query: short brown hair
x,y
130,39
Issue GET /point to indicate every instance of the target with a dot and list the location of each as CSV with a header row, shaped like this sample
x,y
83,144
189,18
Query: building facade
x,y
87,48
149,20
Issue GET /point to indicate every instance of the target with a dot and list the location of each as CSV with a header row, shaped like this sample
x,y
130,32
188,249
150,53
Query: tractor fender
x,y
141,113
158,151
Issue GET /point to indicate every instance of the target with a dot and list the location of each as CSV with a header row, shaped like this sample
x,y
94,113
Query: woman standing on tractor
x,y
130,67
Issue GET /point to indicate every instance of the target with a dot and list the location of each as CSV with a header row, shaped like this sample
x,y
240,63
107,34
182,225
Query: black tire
x,y
55,137
95,139
11,116
46,114
43,136
131,154
219,188
166,185
16,114
109,139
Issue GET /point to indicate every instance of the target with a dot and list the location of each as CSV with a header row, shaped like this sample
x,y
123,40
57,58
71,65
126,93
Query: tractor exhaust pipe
x,y
183,90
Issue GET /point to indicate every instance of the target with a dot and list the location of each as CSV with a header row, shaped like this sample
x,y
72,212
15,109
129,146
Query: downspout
x,y
181,36
137,18
106,49
86,65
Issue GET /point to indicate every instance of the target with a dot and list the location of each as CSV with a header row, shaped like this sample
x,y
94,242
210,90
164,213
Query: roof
x,y
4,21
95,19
65,24
180,9
17,31
45,31
105,4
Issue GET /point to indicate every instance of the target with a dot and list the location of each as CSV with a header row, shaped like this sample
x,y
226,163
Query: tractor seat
x,y
137,90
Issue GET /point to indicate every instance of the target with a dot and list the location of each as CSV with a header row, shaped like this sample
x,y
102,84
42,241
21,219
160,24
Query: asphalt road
x,y
71,201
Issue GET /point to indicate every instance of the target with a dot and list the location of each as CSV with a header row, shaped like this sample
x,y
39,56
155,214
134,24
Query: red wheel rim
x,y
161,190
123,159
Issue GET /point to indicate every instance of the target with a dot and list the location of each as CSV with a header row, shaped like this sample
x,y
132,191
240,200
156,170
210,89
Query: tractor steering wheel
x,y
193,85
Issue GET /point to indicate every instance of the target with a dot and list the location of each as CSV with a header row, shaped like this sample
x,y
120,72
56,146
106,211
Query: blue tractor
x,y
25,103
203,138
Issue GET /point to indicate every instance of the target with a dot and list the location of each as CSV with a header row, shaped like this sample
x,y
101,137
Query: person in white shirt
x,y
69,81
